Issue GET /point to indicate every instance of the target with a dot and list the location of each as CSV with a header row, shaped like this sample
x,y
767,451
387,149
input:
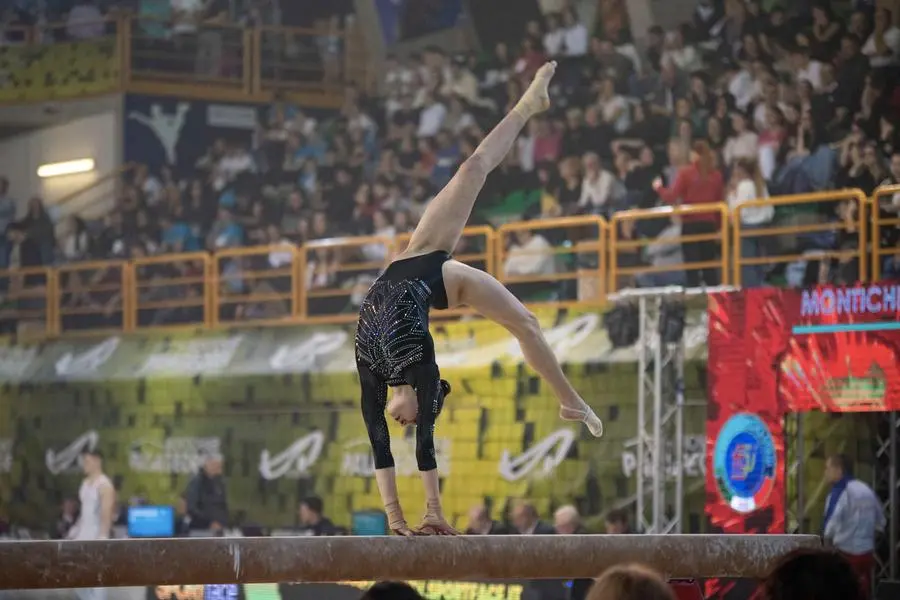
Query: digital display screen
x,y
369,522
151,521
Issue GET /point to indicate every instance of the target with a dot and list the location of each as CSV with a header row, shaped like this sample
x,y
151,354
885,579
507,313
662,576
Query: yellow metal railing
x,y
254,286
28,301
571,261
885,216
171,291
553,261
631,244
92,297
212,60
337,271
837,217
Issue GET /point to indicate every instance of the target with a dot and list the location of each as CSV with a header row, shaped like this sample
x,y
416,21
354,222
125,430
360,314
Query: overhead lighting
x,y
69,167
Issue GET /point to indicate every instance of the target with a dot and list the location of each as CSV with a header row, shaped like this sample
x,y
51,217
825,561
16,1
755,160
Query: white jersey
x,y
88,527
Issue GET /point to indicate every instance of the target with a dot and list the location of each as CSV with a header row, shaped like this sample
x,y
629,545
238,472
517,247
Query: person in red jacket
x,y
699,182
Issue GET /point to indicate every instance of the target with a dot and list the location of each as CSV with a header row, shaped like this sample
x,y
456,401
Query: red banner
x,y
774,351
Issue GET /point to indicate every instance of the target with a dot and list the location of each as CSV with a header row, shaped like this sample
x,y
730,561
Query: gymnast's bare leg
x,y
441,227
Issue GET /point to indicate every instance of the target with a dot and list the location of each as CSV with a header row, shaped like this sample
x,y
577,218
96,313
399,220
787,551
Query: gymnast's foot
x,y
585,414
536,98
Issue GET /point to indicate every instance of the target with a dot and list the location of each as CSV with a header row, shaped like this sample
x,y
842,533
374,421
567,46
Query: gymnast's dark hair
x,y
391,590
812,574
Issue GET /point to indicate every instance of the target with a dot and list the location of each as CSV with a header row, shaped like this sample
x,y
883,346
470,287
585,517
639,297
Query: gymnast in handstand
x,y
394,347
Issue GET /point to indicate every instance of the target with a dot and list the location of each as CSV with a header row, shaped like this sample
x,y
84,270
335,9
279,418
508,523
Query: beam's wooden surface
x,y
41,565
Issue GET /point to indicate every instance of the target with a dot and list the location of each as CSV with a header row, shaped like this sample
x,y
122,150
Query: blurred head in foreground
x,y
391,590
812,574
631,582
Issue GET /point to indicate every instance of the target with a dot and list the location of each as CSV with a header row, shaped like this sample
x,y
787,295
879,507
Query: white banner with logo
x,y
540,460
357,460
176,455
295,461
191,357
693,458
68,460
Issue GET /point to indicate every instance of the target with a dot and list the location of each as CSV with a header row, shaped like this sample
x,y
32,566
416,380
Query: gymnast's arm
x,y
430,393
373,404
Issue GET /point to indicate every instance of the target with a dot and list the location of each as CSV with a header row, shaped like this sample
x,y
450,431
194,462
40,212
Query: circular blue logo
x,y
744,462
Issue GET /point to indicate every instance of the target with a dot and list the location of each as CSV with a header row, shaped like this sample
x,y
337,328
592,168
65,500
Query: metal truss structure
x,y
661,401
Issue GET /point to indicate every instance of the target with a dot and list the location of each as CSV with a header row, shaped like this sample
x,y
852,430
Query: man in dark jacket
x,y
567,521
206,497
481,523
313,520
526,521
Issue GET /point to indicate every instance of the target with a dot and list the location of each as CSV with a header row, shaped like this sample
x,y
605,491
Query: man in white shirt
x,y
530,254
883,46
432,117
187,14
597,185
853,516
85,21
553,39
806,68
575,34
98,498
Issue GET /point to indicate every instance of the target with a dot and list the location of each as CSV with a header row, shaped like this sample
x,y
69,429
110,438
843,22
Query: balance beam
x,y
111,563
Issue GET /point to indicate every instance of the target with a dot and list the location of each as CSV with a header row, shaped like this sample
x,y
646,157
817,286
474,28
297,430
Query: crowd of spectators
x,y
740,103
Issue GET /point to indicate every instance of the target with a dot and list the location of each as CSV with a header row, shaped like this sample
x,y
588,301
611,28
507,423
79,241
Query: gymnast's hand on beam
x,y
434,523
396,521
404,530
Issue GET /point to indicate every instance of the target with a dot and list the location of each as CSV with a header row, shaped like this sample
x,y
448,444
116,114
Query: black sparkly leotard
x,y
394,347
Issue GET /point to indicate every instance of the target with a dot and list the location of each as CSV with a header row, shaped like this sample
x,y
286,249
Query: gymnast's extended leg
x,y
447,214
472,287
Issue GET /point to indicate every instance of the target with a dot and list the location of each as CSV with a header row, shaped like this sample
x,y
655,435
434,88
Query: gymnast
x,y
394,347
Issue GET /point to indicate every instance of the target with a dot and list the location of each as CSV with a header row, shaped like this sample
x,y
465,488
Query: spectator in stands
x,y
530,254
207,497
7,216
883,46
700,182
630,582
67,519
666,256
597,187
575,34
481,523
313,519
526,520
39,227
742,143
567,521
26,251
182,518
747,184
616,522
391,590
812,575
853,517
85,21
890,270
75,243
225,232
